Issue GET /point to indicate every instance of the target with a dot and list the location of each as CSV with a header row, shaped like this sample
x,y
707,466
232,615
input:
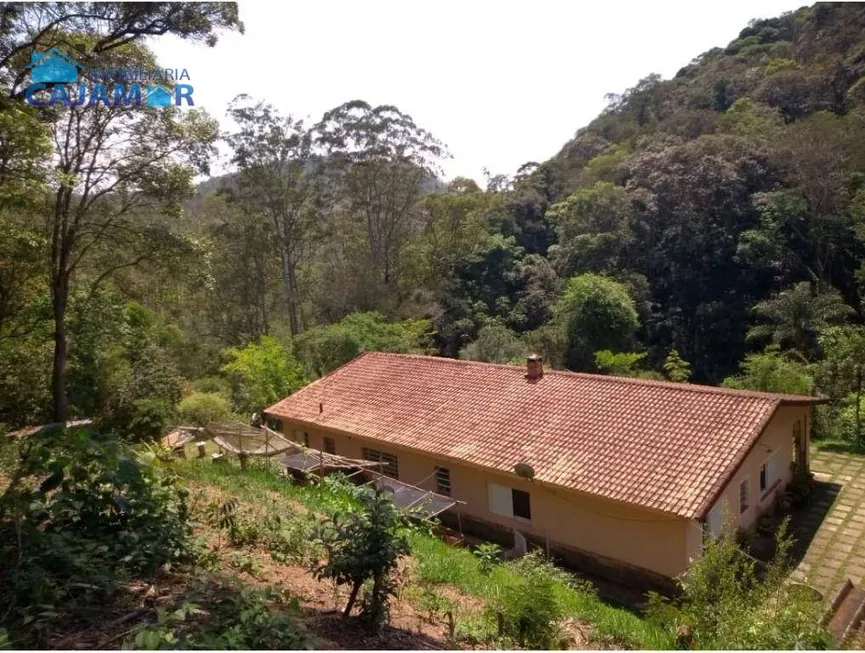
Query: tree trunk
x,y
351,599
59,296
289,275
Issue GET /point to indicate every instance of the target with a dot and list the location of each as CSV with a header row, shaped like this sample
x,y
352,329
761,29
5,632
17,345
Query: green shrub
x,y
725,604
261,374
528,607
150,417
81,512
365,545
488,555
234,619
203,408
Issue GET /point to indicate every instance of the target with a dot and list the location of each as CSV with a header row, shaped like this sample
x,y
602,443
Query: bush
x,y
726,605
365,545
234,619
261,374
203,408
81,512
495,344
529,610
150,417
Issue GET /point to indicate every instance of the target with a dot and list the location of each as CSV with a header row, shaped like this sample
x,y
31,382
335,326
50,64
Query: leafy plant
x,y
365,545
81,511
488,555
245,562
529,611
223,616
261,374
203,408
726,604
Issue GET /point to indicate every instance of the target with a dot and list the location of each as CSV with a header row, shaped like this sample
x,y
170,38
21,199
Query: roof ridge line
x,y
609,378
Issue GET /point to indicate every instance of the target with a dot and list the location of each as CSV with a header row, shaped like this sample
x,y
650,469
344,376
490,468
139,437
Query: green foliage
x,y
772,371
779,63
132,385
529,608
796,316
436,561
365,545
261,374
323,349
676,368
488,555
220,616
726,605
150,417
593,226
495,344
203,408
81,513
597,314
620,364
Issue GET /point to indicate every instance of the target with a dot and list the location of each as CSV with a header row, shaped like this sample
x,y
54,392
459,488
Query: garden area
x,y
106,546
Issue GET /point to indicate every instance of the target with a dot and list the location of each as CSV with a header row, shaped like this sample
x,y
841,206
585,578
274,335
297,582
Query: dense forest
x,y
709,228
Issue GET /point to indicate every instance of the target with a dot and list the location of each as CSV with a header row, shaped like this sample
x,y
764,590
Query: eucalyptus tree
x,y
386,163
278,179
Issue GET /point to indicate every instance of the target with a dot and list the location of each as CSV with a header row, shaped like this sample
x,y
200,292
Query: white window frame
x,y
773,472
501,501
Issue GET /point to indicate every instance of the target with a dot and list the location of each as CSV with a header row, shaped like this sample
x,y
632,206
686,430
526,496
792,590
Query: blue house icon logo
x,y
53,66
158,96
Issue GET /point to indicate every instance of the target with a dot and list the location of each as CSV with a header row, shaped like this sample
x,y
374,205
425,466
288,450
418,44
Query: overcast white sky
x,y
501,83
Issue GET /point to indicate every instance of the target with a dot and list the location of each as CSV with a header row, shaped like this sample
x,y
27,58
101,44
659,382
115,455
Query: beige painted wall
x,y
651,540
777,436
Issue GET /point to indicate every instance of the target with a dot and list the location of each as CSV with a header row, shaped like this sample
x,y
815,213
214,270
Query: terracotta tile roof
x,y
665,446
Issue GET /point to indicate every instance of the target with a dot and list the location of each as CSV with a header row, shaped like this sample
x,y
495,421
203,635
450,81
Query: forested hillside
x,y
708,228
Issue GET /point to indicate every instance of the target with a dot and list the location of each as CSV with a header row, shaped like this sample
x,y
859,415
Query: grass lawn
x,y
454,571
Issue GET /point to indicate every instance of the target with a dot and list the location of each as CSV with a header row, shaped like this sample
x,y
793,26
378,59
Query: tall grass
x,y
437,562
441,563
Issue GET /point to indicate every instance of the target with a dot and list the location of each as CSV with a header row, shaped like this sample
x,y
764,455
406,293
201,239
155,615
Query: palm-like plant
x,y
794,317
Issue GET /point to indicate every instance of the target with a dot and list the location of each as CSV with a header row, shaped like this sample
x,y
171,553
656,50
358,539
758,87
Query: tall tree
x,y
597,313
278,179
120,171
26,26
795,317
386,162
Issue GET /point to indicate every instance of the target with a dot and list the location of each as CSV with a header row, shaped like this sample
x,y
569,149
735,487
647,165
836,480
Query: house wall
x,y
777,436
611,532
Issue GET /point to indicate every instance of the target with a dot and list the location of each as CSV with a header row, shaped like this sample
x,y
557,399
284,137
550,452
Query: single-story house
x,y
617,475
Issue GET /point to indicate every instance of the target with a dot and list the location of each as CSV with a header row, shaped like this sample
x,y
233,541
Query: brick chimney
x,y
534,367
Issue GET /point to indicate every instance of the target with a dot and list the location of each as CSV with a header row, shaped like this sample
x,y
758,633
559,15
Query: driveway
x,y
832,529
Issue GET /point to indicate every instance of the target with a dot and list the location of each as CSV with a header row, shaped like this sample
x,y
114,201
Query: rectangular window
x,y
301,437
770,472
715,520
390,463
443,481
522,504
329,445
743,496
509,502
